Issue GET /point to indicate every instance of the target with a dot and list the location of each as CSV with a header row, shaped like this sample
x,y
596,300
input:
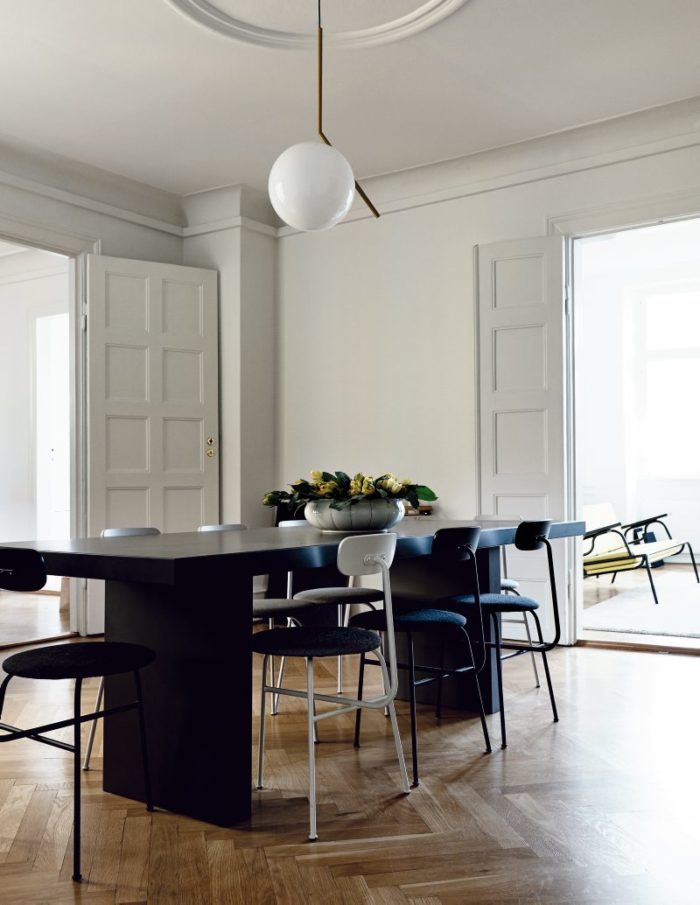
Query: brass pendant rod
x,y
358,188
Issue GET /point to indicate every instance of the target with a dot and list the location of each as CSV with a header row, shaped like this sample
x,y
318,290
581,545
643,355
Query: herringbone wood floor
x,y
601,808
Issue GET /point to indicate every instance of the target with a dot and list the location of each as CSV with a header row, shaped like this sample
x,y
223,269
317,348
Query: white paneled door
x,y
152,400
522,398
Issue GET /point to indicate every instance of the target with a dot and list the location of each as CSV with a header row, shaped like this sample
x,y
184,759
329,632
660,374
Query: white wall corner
x,y
228,207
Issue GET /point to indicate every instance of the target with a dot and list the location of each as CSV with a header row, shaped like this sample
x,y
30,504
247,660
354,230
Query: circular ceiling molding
x,y
262,22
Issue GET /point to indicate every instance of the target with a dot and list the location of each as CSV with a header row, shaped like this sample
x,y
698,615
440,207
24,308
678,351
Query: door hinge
x,y
83,322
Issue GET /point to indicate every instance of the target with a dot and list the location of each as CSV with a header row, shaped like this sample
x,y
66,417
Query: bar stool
x,y
529,535
24,570
363,555
450,545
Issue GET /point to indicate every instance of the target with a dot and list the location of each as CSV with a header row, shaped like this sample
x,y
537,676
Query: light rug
x,y
633,609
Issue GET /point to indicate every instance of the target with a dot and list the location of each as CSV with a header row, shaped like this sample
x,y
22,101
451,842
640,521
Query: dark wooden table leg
x,y
197,696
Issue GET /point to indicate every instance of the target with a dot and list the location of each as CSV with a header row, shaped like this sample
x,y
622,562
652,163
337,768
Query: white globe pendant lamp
x,y
311,184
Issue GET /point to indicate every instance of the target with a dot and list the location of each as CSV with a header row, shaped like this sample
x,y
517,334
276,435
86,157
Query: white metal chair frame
x,y
354,559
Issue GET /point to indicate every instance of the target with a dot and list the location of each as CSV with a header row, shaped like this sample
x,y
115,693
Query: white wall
x,y
377,317
32,285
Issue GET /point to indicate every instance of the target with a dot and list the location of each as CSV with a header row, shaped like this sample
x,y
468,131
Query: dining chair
x,y
110,532
369,554
24,570
450,546
511,586
529,536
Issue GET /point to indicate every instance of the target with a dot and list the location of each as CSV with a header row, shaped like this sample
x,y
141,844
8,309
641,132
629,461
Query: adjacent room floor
x,y
599,808
28,618
627,605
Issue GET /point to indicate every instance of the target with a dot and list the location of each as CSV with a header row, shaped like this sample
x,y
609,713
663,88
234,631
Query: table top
x,y
168,558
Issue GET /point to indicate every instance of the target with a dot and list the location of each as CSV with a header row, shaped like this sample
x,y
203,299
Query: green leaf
x,y
327,476
425,493
343,479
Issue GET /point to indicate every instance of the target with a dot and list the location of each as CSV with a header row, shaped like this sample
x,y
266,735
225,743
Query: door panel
x,y
522,393
152,358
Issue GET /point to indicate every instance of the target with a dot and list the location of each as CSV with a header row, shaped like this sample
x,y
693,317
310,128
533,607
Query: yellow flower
x,y
267,499
328,487
316,477
368,487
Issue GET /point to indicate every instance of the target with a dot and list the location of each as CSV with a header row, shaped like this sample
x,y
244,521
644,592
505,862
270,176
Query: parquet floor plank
x,y
596,809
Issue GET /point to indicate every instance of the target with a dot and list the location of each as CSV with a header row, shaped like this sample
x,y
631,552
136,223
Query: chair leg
x,y
341,621
394,726
3,689
275,707
499,674
93,726
532,653
261,733
358,714
144,744
76,782
438,699
412,699
313,835
482,712
555,715
651,580
692,559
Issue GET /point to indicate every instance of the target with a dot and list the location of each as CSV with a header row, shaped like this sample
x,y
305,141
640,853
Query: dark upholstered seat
x,y
417,620
79,661
502,603
314,641
346,596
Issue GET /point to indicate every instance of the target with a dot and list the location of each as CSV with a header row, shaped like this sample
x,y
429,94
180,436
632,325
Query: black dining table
x,y
188,596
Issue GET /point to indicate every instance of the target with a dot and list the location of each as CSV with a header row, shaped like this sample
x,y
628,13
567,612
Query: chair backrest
x,y
21,570
456,544
224,527
602,515
128,532
532,535
358,555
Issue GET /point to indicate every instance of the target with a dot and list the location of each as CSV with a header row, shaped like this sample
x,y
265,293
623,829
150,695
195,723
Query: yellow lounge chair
x,y
615,547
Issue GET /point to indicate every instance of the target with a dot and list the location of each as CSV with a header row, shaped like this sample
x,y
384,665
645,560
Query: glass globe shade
x,y
311,186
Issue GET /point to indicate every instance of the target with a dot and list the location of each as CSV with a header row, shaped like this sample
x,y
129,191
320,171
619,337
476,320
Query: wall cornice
x,y
632,137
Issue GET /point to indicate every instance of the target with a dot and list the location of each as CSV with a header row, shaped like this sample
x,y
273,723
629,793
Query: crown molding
x,y
658,130
229,207
207,14
71,182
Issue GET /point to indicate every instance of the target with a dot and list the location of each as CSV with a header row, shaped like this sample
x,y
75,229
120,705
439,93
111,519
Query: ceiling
x,y
138,88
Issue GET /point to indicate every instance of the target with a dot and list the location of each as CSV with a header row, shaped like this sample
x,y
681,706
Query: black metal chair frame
x,y
536,536
464,551
639,530
36,733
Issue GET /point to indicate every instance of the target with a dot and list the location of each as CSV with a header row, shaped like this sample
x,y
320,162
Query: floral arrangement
x,y
344,491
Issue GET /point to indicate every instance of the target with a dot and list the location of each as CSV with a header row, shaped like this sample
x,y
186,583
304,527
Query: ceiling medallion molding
x,y
425,15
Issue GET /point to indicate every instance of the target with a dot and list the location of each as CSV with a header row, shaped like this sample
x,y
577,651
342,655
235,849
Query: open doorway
x,y
35,445
637,370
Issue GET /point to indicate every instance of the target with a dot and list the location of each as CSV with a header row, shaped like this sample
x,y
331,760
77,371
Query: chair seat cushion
x,y
415,620
315,641
267,607
341,595
619,560
502,603
509,584
79,660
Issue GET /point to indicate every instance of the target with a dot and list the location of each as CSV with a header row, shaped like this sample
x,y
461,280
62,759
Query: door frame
x,y
652,211
75,247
